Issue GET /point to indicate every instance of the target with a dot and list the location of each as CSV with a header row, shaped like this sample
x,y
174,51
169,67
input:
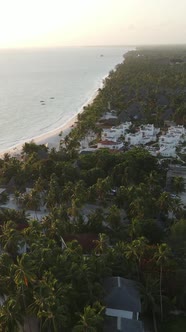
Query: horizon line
x,y
94,45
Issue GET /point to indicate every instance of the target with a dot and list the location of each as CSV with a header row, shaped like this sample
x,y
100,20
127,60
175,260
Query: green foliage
x,y
177,238
91,319
3,198
174,324
149,228
57,283
178,184
30,148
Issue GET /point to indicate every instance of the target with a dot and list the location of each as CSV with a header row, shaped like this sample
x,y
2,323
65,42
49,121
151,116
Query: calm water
x,y
41,89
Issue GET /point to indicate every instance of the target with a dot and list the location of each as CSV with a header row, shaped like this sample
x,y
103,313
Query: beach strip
x,y
50,139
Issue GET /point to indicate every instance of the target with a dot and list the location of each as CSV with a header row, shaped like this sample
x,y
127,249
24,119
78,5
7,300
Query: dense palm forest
x,y
121,199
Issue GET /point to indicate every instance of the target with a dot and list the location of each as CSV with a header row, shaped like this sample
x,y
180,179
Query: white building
x,y
149,130
175,135
146,134
177,130
134,139
168,151
169,141
115,132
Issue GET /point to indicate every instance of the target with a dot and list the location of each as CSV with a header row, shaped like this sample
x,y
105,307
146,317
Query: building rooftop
x,y
108,142
127,325
123,294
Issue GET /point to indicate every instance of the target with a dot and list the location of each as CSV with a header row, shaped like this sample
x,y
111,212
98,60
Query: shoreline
x,y
52,138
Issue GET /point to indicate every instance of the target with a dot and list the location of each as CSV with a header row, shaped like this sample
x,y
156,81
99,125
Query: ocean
x,y
41,89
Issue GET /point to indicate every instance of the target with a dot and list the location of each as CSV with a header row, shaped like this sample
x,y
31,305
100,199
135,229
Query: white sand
x,y
51,139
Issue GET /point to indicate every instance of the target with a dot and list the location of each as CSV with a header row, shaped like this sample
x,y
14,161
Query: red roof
x,y
86,240
108,143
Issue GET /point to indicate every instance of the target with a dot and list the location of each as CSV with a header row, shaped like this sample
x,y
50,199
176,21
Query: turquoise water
x,y
41,89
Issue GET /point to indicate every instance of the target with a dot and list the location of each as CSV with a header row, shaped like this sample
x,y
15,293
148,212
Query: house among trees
x,y
147,133
115,132
123,305
169,141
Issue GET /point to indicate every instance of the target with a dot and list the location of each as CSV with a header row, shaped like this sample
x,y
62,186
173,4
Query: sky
x,y
51,23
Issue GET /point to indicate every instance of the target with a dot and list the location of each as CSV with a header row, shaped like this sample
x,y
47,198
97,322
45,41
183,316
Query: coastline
x,y
52,138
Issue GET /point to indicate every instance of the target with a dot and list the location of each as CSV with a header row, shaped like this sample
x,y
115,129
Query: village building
x,y
134,139
177,130
85,142
111,138
114,133
146,134
171,140
167,151
149,130
109,115
123,305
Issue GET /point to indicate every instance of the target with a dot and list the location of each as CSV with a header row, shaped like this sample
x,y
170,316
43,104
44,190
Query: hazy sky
x,y
91,22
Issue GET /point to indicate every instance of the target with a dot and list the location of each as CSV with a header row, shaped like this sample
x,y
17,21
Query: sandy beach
x,y
42,123
51,139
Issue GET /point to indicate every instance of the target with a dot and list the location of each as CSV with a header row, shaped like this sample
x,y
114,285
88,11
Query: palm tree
x,y
11,316
135,250
178,184
6,278
33,232
95,221
24,276
10,238
102,186
134,228
24,271
114,217
6,157
53,192
150,297
101,244
49,304
162,257
91,319
74,209
137,208
164,202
